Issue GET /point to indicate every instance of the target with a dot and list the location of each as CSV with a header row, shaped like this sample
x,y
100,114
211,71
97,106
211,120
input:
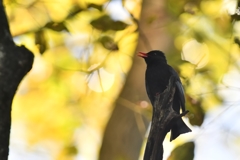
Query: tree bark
x,y
15,63
123,138
163,118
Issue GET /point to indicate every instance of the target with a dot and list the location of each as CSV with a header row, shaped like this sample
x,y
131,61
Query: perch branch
x,y
163,118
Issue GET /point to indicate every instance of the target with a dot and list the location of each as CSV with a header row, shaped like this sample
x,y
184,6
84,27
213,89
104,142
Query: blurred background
x,y
85,97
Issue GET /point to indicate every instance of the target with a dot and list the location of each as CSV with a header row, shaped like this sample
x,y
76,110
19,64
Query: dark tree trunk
x,y
15,63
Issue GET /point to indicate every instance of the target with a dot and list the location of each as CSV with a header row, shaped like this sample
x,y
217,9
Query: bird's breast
x,y
156,80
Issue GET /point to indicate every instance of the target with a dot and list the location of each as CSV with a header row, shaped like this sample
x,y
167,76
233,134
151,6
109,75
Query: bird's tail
x,y
179,127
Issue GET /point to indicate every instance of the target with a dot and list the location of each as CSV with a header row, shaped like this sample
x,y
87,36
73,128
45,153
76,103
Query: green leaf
x,y
105,23
40,41
56,26
98,7
75,10
118,25
108,43
196,113
71,150
237,41
183,152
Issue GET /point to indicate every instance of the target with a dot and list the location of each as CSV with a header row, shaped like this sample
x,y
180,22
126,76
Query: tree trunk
x,y
123,137
15,62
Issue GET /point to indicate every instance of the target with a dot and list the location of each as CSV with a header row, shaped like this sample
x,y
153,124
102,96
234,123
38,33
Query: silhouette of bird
x,y
157,77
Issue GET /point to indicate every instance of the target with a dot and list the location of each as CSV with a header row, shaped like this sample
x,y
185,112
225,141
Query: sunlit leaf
x,y
183,152
100,80
57,11
211,8
196,53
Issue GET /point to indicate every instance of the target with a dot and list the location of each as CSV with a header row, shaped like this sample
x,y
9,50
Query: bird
x,y
157,77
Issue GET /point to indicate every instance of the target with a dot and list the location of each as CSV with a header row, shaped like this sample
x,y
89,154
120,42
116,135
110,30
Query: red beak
x,y
143,55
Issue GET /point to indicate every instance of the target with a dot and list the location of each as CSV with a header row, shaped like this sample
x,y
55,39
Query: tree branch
x,y
163,118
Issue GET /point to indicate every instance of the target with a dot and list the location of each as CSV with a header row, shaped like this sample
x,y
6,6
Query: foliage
x,y
207,38
83,55
183,152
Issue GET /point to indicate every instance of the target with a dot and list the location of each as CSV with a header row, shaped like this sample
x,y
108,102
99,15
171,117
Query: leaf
x,y
105,23
98,7
75,10
56,26
237,41
108,43
183,152
118,25
40,41
236,16
71,150
196,113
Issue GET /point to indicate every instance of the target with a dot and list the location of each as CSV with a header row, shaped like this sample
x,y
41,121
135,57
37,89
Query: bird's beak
x,y
143,55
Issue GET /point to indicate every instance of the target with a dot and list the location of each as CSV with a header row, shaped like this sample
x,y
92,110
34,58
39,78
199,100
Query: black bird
x,y
157,78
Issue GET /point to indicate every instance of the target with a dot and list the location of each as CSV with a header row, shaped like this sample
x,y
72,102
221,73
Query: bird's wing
x,y
179,89
180,92
149,93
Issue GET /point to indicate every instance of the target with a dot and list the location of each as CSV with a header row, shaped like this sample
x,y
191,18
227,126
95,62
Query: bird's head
x,y
153,57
